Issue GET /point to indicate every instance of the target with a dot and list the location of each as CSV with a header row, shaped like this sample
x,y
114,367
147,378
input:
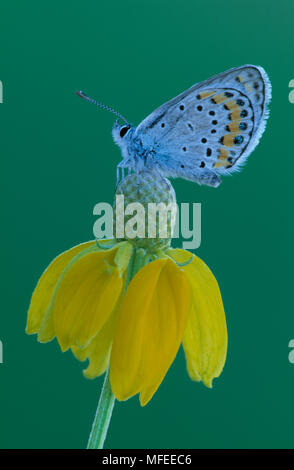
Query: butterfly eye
x,y
123,131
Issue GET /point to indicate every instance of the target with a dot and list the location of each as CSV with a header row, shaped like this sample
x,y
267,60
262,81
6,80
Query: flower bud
x,y
145,210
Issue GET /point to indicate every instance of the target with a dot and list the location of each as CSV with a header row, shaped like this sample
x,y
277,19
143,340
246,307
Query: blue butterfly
x,y
207,131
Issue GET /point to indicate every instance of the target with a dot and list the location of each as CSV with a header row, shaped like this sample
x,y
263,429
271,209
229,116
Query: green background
x,y
58,160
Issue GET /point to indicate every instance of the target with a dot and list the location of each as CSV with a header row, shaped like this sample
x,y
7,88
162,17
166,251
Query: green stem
x,y
107,398
102,416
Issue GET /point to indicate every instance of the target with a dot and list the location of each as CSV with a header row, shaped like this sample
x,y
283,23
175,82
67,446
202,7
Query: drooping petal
x,y
86,295
44,290
98,351
149,329
47,331
205,336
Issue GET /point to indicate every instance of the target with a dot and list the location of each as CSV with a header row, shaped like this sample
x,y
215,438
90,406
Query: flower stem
x,y
102,416
107,398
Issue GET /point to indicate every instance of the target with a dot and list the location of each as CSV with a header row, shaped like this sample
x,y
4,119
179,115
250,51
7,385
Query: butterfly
x,y
207,131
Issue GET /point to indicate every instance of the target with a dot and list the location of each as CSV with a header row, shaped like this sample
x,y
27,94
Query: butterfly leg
x,y
122,165
117,175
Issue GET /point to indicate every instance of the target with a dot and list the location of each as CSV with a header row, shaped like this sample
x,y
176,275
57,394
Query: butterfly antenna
x,y
101,105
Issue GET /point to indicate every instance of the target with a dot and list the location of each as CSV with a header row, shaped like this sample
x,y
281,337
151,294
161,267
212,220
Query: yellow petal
x,y
149,329
205,336
46,285
85,297
122,252
98,351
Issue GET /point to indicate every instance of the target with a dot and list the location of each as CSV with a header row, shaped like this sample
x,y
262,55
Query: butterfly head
x,y
121,134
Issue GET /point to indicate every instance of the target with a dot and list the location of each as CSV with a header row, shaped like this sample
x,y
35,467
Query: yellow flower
x,y
79,300
98,300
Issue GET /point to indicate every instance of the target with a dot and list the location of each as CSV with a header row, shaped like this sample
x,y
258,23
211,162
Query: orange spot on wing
x,y
223,154
233,126
232,105
228,140
235,114
222,159
205,94
220,98
220,164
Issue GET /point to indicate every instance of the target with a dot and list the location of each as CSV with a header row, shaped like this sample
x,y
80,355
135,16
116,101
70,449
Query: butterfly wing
x,y
211,128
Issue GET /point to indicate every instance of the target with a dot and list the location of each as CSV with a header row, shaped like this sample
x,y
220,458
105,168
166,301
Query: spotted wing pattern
x,y
211,128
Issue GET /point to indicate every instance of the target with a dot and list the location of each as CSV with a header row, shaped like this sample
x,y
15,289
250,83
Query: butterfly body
x,y
207,131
